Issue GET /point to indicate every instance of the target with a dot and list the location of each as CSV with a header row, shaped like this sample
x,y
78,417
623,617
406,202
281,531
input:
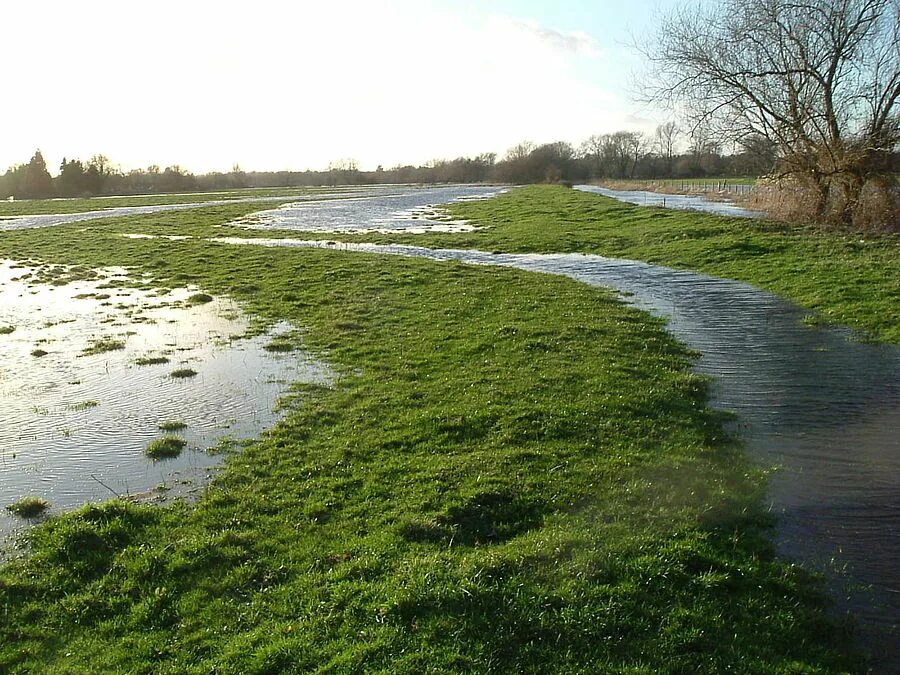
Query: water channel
x,y
674,201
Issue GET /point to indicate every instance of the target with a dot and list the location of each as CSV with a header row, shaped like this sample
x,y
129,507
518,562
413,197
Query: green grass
x,y
199,298
84,405
165,447
181,373
28,507
172,425
6,330
514,472
103,345
279,346
38,353
846,278
151,360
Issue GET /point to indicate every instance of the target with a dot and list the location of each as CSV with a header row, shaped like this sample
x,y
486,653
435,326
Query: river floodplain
x,y
512,470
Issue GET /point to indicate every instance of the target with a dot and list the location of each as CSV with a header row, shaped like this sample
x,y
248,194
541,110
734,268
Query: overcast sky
x,y
294,85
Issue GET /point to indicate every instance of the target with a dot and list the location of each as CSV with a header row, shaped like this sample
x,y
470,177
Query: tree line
x,y
667,153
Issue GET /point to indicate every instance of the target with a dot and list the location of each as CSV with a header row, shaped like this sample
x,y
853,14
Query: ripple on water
x,y
73,421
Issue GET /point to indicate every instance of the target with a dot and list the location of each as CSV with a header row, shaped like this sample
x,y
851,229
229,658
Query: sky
x,y
279,85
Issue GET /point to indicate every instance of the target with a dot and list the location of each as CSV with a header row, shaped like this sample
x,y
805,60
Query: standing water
x,y
91,369
815,403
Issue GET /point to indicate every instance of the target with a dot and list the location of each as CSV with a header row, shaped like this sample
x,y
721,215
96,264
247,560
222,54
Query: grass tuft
x,y
165,447
28,507
103,345
172,425
151,360
183,373
279,346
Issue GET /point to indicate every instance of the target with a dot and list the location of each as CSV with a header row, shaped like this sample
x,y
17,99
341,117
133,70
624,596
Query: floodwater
x,y
407,209
680,202
818,405
371,208
51,219
76,424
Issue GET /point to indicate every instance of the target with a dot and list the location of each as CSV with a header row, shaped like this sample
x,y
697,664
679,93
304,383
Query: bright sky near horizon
x,y
294,85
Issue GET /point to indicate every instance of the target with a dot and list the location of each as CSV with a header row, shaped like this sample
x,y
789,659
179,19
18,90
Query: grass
x,y
165,447
6,330
279,346
514,472
38,353
28,507
151,360
172,425
103,345
199,298
844,277
84,405
181,373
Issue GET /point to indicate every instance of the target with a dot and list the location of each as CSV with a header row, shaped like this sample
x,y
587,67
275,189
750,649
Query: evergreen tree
x,y
36,181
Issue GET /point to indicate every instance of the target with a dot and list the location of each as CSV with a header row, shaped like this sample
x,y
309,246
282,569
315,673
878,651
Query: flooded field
x,y
813,403
407,209
368,208
679,202
91,370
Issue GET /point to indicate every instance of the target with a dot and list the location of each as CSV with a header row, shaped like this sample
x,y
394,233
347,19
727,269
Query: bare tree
x,y
819,78
664,141
519,151
625,149
591,150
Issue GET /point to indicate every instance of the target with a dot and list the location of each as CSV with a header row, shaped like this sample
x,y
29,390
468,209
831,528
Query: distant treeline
x,y
621,155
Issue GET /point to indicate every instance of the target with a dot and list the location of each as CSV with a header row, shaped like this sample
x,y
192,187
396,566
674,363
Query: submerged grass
x,y
514,472
151,360
181,373
103,345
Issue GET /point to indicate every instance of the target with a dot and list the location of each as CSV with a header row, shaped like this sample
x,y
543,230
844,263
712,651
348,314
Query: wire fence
x,y
710,186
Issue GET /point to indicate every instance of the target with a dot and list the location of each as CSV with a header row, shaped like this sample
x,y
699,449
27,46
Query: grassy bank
x,y
842,278
514,472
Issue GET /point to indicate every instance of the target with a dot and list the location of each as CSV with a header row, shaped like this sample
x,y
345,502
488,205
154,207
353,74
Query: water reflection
x,y
76,420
